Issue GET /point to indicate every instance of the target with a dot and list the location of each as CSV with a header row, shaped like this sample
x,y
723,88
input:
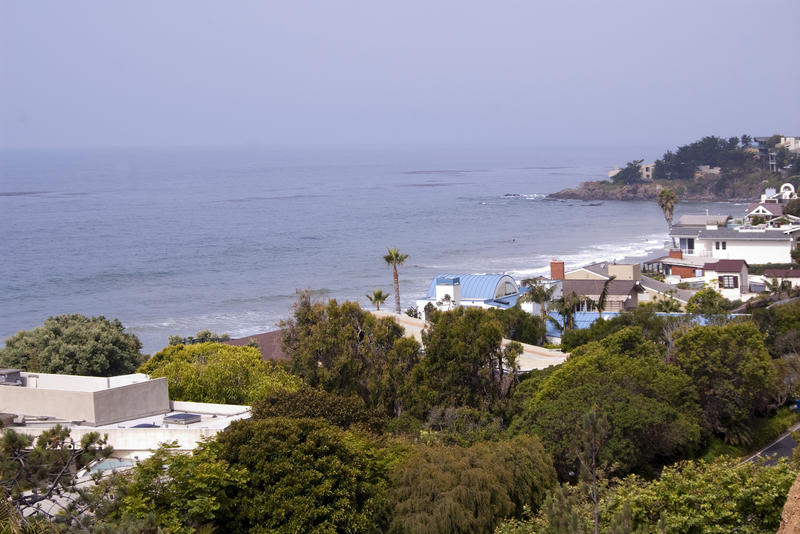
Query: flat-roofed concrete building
x,y
134,411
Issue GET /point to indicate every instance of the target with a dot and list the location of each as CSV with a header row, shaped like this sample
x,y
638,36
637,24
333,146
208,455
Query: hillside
x,y
711,169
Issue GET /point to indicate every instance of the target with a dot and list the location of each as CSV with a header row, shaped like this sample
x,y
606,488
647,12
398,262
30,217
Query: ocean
x,y
172,241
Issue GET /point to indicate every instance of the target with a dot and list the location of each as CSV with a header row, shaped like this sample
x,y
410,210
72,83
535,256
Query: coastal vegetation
x,y
74,345
365,430
712,168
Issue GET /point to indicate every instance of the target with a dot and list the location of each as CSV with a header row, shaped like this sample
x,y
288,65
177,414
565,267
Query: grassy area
x,y
764,430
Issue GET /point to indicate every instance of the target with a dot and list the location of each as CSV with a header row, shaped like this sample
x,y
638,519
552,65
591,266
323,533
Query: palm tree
x,y
565,306
666,201
601,301
538,293
394,258
378,297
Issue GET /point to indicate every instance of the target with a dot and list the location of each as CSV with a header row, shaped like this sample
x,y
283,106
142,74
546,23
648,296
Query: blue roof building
x,y
448,291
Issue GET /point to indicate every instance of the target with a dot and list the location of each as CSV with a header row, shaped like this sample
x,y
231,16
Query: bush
x,y
74,345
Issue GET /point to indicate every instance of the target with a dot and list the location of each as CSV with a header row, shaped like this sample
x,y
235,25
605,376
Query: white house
x,y
789,277
448,291
728,277
754,245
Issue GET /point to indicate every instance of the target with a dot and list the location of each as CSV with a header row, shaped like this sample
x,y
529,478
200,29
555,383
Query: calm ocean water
x,y
175,241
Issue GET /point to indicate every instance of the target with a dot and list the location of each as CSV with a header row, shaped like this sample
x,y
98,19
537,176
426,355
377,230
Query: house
x,y
754,245
652,290
448,291
676,265
790,277
767,211
621,295
728,277
785,194
790,143
646,171
132,410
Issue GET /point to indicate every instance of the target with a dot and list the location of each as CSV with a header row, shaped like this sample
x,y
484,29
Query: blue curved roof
x,y
473,286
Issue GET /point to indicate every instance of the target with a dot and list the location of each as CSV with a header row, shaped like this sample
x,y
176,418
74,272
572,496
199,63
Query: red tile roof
x,y
269,344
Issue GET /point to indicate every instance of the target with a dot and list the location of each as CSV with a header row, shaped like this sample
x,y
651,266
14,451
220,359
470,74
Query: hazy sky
x,y
190,72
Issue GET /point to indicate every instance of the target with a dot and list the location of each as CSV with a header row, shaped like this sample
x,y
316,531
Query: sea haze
x,y
175,241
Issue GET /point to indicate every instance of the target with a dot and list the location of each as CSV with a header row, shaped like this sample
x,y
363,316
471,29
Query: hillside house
x,y
448,291
728,277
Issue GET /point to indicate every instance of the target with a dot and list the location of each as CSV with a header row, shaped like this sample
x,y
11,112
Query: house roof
x,y
269,344
782,273
702,220
687,261
772,207
652,284
725,266
744,235
595,287
473,286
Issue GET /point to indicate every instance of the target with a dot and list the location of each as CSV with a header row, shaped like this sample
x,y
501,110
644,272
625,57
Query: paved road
x,y
781,448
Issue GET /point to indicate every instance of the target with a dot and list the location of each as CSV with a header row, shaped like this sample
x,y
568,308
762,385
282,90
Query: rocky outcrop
x,y
609,191
790,519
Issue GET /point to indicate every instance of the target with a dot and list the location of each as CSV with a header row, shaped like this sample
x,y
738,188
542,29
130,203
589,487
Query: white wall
x,y
753,252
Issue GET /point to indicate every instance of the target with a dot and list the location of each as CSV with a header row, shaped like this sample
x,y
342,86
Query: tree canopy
x,y
469,490
643,398
74,345
213,372
305,476
731,370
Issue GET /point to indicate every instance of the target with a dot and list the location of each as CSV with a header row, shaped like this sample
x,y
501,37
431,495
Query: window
x,y
723,245
729,282
716,245
585,306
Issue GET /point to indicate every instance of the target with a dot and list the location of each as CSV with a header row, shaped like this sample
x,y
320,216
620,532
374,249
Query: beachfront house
x,y
755,245
728,277
651,289
448,291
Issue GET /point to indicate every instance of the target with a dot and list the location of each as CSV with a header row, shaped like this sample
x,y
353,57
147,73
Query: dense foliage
x,y
469,490
212,372
307,402
688,498
348,351
644,399
305,476
74,345
710,150
731,370
519,325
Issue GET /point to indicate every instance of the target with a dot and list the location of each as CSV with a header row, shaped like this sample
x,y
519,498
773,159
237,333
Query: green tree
x,y
31,473
644,399
538,293
305,476
630,174
667,199
377,298
345,350
519,325
717,497
213,372
469,490
592,436
746,140
307,402
730,368
565,307
203,336
465,363
74,345
180,492
394,258
709,304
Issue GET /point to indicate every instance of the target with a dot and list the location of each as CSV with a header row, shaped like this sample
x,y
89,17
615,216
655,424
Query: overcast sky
x,y
521,73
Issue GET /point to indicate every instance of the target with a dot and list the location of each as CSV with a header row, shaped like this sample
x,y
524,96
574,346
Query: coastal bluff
x,y
722,189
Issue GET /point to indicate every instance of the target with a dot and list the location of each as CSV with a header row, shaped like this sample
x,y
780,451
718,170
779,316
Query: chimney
x,y
556,270
676,253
